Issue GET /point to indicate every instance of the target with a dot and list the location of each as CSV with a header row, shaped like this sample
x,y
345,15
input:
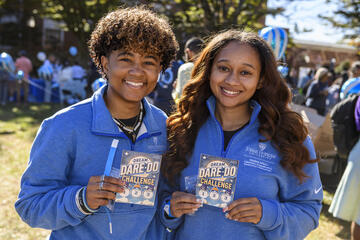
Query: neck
x,y
121,109
233,118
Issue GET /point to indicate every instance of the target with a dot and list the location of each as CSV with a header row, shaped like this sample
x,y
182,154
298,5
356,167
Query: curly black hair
x,y
137,29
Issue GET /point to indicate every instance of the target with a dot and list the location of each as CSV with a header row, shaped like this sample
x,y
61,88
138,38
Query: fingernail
x,y
225,209
227,216
199,200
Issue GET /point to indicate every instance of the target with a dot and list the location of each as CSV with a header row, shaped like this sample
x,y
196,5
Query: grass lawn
x,y
18,127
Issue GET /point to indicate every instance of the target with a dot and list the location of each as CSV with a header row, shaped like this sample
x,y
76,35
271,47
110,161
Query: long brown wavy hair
x,y
278,123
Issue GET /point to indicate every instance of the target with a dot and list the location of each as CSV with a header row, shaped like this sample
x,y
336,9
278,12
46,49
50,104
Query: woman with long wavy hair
x,y
237,107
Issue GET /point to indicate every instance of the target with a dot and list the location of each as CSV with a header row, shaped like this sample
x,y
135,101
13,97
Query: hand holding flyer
x,y
216,180
140,172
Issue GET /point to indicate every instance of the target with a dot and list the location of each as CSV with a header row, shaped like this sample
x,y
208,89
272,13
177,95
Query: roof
x,y
334,47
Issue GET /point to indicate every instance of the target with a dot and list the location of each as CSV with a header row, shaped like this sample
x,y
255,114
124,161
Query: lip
x,y
229,93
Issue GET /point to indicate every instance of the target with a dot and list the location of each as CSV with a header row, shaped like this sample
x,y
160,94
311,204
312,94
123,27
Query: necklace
x,y
132,130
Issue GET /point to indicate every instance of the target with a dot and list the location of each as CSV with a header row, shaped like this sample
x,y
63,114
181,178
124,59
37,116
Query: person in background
x,y
24,64
318,91
162,95
7,77
303,81
4,79
346,202
46,74
79,78
236,106
352,85
64,187
65,78
344,72
193,47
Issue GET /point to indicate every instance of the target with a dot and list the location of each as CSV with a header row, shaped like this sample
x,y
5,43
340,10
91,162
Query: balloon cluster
x,y
277,39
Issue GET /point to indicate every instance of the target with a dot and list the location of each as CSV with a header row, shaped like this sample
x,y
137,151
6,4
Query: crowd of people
x,y
56,80
228,100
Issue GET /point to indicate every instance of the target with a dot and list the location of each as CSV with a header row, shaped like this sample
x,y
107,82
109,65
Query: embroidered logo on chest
x,y
256,156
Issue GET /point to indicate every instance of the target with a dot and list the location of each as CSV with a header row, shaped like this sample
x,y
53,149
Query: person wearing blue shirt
x,y
352,85
237,107
64,187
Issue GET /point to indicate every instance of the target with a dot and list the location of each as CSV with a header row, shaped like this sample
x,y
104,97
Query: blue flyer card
x,y
216,180
140,172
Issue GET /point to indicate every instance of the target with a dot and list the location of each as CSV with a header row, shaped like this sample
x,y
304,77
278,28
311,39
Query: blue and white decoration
x,y
98,83
7,63
351,86
46,72
277,39
283,70
166,78
20,75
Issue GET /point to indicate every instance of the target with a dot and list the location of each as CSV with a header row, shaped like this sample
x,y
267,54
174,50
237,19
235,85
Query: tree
x,y
204,17
346,17
16,29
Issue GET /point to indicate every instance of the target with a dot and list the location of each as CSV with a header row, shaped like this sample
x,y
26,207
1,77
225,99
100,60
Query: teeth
x,y
230,92
135,84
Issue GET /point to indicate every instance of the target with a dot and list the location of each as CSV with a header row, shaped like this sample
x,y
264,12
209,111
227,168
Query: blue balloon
x,y
73,51
277,39
7,63
98,83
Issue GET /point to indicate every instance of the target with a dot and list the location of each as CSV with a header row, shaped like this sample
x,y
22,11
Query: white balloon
x,y
41,56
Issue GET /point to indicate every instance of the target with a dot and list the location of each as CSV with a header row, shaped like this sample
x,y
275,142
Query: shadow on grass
x,y
345,226
37,112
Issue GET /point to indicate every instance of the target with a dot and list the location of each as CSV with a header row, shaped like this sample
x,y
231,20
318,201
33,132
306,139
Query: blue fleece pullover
x,y
70,147
290,210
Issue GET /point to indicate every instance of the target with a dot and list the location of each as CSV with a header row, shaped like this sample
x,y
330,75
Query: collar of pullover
x,y
103,124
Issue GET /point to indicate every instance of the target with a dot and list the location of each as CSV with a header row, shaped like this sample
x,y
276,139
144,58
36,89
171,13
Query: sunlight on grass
x,y
18,127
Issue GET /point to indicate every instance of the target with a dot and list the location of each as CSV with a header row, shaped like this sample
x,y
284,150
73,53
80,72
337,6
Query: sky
x,y
305,13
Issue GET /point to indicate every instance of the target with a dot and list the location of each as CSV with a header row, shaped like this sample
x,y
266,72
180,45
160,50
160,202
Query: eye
x,y
124,59
244,73
150,63
223,68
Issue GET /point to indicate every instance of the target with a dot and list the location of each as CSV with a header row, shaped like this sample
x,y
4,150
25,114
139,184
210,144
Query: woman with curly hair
x,y
66,185
237,107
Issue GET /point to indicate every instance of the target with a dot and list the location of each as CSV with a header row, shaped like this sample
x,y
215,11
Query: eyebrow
x,y
131,55
246,64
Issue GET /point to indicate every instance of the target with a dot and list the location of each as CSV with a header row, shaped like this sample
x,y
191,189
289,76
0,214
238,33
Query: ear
x,y
189,54
105,64
260,83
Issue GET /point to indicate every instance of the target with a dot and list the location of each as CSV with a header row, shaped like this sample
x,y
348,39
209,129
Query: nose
x,y
232,79
136,70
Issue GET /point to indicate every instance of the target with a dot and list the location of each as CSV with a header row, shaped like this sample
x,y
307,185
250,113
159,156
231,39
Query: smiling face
x,y
131,75
235,75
